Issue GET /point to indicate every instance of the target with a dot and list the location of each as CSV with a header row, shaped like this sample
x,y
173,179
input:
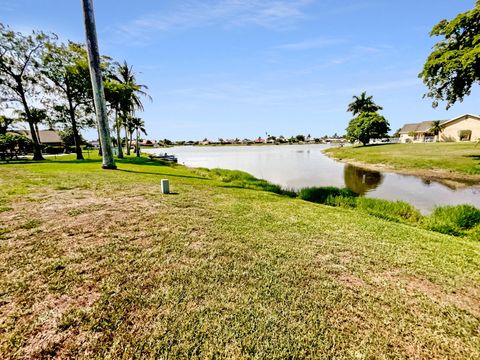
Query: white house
x,y
462,128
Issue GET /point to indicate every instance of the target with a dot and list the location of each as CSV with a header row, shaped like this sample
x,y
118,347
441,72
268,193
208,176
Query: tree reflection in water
x,y
361,180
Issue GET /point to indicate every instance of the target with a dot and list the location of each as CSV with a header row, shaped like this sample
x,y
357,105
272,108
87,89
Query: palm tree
x,y
436,128
139,126
115,94
131,101
363,103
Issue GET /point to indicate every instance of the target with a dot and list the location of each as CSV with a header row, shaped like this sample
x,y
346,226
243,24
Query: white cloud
x,y
311,44
227,13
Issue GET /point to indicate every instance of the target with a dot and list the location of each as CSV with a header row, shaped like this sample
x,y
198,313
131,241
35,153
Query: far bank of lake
x,y
299,166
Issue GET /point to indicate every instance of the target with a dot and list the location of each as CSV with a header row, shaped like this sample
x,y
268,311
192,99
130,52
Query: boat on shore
x,y
164,156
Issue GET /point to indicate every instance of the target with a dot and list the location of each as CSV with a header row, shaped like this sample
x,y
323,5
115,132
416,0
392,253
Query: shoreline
x,y
450,179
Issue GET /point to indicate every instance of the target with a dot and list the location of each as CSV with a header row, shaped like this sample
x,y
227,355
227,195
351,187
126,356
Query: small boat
x,y
165,156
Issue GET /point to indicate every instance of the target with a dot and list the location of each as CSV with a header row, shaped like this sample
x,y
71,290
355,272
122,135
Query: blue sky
x,y
240,68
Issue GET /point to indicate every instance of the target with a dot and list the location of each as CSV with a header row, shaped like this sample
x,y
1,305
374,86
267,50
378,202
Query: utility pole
x,y
97,85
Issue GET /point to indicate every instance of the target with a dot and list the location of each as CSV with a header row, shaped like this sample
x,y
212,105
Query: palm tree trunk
x,y
126,140
137,148
131,137
119,136
99,143
97,85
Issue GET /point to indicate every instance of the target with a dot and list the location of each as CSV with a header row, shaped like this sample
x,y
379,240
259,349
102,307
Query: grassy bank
x,y
455,160
99,264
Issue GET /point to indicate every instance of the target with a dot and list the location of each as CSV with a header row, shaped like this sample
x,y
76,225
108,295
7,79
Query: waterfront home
x,y
148,143
461,128
46,137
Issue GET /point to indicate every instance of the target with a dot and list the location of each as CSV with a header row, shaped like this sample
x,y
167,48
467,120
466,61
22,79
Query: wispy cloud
x,y
311,44
227,13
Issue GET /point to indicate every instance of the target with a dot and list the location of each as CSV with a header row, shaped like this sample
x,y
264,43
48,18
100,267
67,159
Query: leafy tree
x,y
363,103
300,138
69,138
454,64
366,126
19,57
66,68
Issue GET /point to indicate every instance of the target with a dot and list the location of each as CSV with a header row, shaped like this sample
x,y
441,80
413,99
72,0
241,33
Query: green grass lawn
x,y
459,158
98,264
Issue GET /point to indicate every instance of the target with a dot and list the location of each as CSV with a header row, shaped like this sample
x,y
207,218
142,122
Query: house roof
x,y
46,136
424,126
461,117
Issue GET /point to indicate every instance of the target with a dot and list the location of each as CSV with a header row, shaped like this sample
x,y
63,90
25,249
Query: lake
x,y
298,166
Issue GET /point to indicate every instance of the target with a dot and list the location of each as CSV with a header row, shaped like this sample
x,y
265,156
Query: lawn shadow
x,y
162,174
127,160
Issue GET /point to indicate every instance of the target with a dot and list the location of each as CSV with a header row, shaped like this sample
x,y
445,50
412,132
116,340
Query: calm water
x,y
298,166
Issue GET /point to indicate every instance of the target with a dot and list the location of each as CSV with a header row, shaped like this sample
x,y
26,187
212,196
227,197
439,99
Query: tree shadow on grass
x,y
131,161
162,174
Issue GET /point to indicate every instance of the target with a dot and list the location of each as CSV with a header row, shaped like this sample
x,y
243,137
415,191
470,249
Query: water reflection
x,y
361,180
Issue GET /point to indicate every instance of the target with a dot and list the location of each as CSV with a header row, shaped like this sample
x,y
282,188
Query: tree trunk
x,y
38,133
76,135
126,140
119,136
99,143
131,138
97,85
137,148
37,148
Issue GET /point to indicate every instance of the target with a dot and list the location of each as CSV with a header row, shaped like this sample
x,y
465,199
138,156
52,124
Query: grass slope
x,y
458,158
99,264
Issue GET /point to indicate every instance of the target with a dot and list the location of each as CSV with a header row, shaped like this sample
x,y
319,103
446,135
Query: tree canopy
x,y
366,126
44,81
454,64
66,69
20,56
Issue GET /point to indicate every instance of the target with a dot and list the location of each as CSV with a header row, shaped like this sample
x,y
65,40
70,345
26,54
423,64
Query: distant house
x,y
95,144
462,128
148,143
47,137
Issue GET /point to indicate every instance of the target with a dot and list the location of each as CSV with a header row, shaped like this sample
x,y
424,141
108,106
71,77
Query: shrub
x,y
390,210
13,142
328,195
453,220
